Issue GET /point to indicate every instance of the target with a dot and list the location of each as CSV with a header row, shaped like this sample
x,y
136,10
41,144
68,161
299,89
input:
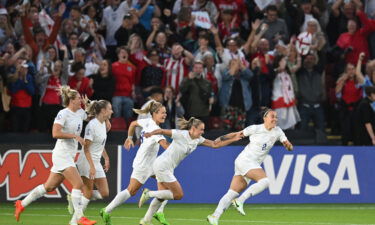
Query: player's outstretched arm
x,y
288,145
159,131
129,140
221,143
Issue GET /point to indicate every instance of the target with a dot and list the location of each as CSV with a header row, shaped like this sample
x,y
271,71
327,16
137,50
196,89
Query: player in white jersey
x,y
247,164
88,163
145,157
185,141
66,129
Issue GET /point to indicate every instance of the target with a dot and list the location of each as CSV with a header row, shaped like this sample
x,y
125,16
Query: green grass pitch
x,y
194,214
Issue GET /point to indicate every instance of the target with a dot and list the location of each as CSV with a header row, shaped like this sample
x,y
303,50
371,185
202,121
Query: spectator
x,y
103,82
147,9
355,41
283,98
50,78
203,47
152,74
124,73
40,41
174,108
277,29
293,64
66,31
209,70
197,94
310,100
113,16
137,55
349,93
209,7
342,12
365,119
160,44
177,66
129,26
21,88
93,42
7,32
79,81
235,95
369,78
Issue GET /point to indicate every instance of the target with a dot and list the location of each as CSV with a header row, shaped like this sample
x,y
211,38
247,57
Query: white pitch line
x,y
201,220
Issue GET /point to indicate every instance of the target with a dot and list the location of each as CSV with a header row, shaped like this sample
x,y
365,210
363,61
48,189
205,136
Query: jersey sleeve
x,y
249,130
89,132
176,134
142,122
158,138
201,140
60,118
83,114
282,136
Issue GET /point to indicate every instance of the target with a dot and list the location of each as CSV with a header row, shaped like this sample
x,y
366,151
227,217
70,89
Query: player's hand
x,y
106,165
92,173
362,55
80,140
128,144
288,145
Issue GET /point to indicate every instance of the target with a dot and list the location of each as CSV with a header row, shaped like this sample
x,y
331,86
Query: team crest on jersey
x,y
79,127
129,68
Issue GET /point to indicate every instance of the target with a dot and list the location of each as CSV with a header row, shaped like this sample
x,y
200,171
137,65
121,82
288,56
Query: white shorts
x,y
83,167
163,174
142,175
242,165
60,163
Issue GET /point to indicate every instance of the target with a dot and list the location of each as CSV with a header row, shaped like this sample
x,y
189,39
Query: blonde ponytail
x,y
95,107
67,94
151,108
183,124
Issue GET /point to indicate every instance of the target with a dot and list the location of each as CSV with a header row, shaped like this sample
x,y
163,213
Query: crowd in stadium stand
x,y
221,61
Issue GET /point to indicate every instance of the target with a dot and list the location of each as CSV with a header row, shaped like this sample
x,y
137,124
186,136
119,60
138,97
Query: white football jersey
x,y
71,123
96,132
181,146
149,148
261,141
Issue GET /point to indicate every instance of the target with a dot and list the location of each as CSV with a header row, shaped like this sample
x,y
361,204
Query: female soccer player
x,y
88,164
185,141
66,129
145,157
247,164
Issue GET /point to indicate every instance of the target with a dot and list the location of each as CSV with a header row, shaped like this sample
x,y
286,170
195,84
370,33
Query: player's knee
x,y
49,188
265,182
132,191
178,195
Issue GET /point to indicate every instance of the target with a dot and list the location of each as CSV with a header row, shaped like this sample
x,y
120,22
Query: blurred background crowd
x,y
221,61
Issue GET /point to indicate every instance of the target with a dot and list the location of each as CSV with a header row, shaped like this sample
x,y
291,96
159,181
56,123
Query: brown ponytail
x,y
187,124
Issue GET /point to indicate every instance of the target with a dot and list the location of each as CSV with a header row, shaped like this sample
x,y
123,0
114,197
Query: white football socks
x,y
161,208
84,202
154,206
36,193
118,200
162,194
225,202
77,205
254,189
